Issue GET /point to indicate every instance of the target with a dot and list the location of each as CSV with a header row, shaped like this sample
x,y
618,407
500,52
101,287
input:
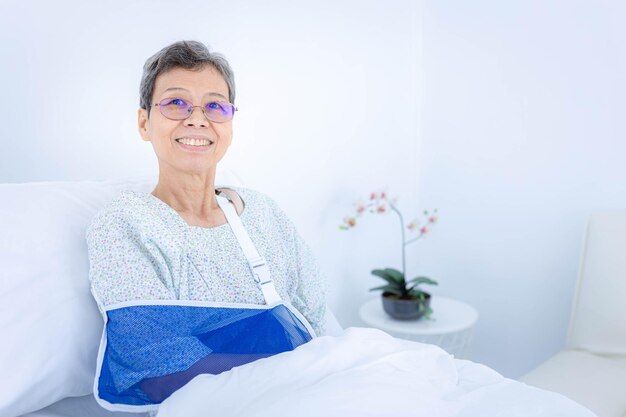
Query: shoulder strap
x,y
258,265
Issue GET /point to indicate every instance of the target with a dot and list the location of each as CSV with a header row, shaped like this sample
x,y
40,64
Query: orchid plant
x,y
396,281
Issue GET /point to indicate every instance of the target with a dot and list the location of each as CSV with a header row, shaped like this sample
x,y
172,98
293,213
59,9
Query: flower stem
x,y
403,243
414,239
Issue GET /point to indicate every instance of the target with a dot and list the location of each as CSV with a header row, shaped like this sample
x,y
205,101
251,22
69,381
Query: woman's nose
x,y
196,118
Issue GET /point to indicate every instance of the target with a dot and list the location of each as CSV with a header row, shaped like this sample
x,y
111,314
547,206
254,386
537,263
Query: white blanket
x,y
364,372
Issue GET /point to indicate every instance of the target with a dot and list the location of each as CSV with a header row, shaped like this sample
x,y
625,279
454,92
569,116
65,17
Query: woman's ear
x,y
142,124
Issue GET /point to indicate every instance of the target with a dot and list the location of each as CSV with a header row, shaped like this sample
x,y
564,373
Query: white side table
x,y
450,327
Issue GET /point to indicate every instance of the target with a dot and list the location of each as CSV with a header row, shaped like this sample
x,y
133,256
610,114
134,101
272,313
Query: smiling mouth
x,y
194,142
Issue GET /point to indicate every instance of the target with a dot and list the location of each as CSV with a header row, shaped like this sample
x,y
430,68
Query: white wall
x,y
517,107
522,136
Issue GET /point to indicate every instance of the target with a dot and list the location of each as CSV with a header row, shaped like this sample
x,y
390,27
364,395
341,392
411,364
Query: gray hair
x,y
192,55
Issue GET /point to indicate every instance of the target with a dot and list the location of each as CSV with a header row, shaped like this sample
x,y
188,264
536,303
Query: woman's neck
x,y
192,195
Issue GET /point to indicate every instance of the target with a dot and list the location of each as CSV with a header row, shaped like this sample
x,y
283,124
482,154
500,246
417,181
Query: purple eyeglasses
x,y
180,109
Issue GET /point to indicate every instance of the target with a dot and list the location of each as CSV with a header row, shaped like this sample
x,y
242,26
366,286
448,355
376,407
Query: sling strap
x,y
258,264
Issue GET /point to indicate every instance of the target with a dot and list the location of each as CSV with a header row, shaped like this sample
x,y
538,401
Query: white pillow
x,y
49,322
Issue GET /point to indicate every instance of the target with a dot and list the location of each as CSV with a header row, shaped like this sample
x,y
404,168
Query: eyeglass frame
x,y
192,107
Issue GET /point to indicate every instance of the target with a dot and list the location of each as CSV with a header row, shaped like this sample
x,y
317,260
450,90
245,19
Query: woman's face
x,y
197,87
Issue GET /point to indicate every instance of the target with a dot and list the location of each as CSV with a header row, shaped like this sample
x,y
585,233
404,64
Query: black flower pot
x,y
405,308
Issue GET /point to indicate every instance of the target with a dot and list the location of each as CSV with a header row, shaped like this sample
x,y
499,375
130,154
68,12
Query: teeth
x,y
194,142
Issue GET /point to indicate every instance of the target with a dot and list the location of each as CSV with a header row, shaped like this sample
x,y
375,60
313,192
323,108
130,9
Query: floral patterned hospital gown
x,y
140,248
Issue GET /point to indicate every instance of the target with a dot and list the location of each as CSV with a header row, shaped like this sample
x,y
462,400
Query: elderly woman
x,y
168,268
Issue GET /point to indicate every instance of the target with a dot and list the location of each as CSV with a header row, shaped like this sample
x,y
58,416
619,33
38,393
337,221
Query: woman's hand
x,y
159,388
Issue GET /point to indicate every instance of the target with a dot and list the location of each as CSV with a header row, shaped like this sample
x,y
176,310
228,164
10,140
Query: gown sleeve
x,y
311,288
124,263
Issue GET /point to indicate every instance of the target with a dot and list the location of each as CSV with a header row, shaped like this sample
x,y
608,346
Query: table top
x,y
448,316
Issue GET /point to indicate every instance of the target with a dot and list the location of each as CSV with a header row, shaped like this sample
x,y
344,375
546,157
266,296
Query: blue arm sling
x,y
151,348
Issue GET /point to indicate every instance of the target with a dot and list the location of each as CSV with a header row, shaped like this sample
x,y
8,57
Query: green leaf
x,y
397,275
384,274
417,294
414,290
423,280
388,288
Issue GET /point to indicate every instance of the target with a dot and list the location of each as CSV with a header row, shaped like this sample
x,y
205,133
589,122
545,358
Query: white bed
x,y
54,327
361,372
364,372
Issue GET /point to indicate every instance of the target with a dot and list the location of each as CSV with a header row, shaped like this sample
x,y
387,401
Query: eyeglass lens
x,y
179,109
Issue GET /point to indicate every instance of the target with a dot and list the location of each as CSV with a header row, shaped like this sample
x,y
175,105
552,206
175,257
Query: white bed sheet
x,y
362,372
